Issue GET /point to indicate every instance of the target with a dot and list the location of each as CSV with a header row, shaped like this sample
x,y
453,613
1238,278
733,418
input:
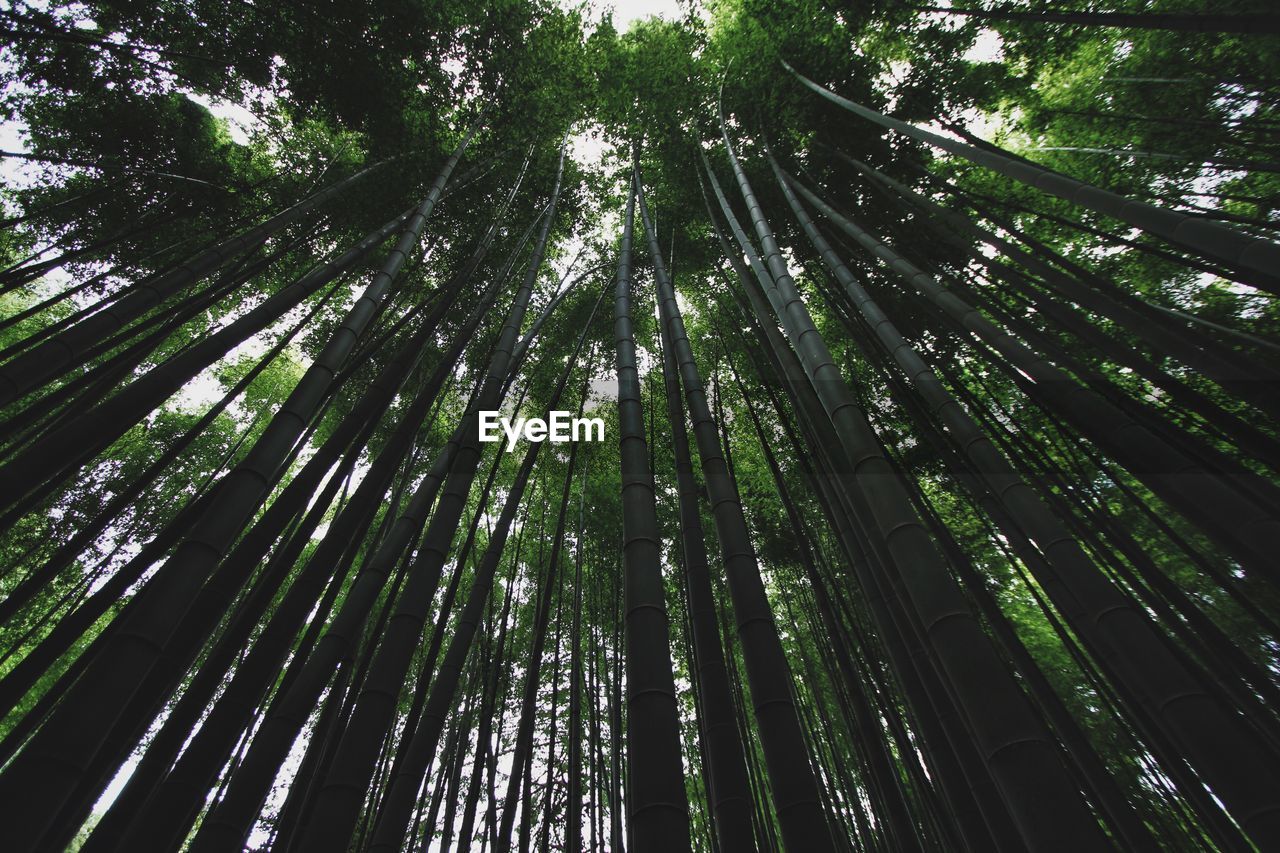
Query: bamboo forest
x,y
843,426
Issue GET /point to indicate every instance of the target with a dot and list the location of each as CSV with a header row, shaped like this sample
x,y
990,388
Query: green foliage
x,y
131,174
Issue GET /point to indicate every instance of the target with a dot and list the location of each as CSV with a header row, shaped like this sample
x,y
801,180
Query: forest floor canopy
x,y
938,354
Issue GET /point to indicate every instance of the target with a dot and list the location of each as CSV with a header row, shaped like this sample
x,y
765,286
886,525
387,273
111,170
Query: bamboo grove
x,y
939,501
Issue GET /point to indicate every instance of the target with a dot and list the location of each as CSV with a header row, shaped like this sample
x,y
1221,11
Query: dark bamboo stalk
x,y
657,809
797,800
1014,745
1252,258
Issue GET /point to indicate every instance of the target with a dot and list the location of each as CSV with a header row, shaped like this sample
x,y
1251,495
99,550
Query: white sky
x,y
987,47
626,11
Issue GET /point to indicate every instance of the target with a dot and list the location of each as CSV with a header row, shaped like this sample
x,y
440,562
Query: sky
x,y
626,11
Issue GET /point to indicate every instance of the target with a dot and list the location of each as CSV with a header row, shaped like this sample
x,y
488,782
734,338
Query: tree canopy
x,y
938,355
